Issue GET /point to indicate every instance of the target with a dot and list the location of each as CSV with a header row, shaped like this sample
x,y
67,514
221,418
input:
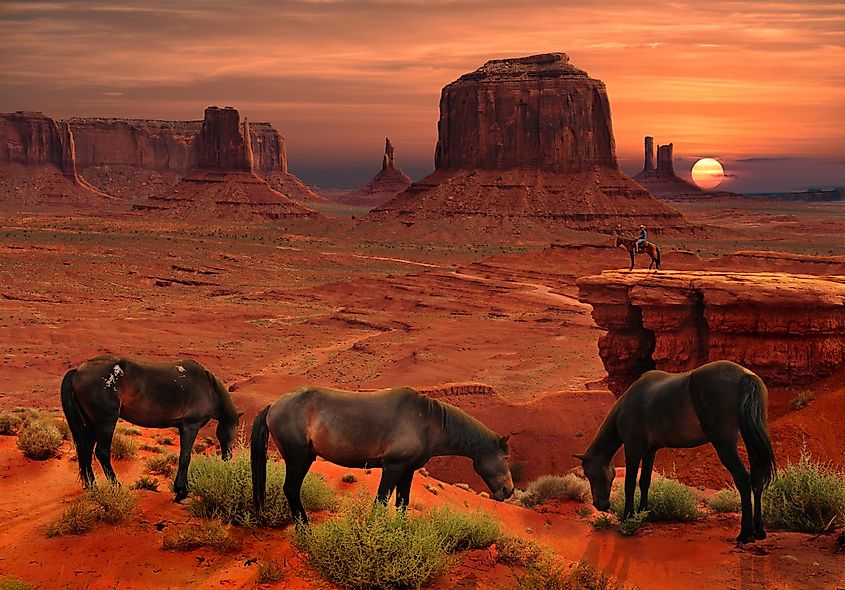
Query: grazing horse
x,y
716,402
396,429
150,394
648,248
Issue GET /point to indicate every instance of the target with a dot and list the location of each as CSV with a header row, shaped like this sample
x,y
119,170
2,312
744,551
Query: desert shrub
x,y
164,465
128,430
62,426
122,447
39,439
152,448
13,583
270,571
807,497
668,499
551,574
372,547
164,439
725,501
209,533
603,522
348,478
27,415
516,551
553,487
802,400
109,503
9,423
223,489
633,523
145,482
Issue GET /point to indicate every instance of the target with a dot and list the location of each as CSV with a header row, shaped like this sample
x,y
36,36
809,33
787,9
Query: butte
x,y
385,185
525,147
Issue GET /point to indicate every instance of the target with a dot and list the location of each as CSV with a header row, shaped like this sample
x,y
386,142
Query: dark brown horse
x,y
396,429
648,248
150,394
714,403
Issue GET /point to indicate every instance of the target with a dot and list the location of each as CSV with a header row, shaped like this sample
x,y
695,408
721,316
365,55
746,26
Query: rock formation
x,y
38,164
528,138
788,328
385,185
135,158
662,182
222,184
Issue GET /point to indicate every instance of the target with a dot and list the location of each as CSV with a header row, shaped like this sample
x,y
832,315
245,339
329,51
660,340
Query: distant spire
x,y
388,161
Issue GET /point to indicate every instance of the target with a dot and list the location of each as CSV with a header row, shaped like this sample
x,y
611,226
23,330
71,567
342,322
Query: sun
x,y
708,173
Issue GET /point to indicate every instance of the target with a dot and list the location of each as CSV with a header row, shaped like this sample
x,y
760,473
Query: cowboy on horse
x,y
640,245
641,241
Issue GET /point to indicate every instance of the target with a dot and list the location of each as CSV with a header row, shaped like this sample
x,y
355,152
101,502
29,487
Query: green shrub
x,y
668,499
27,415
164,465
807,497
111,504
371,547
553,487
551,574
13,583
725,501
210,533
603,522
633,523
164,439
128,430
9,423
270,571
516,551
122,447
39,439
802,400
223,489
145,482
62,425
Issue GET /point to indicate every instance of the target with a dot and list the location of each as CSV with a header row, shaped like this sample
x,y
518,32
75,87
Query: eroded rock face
x,y
385,185
32,139
787,328
528,139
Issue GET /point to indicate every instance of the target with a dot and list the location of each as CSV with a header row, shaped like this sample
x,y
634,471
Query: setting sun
x,y
708,173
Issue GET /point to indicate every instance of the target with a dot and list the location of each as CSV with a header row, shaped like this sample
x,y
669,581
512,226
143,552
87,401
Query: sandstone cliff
x,y
385,185
528,139
38,164
788,328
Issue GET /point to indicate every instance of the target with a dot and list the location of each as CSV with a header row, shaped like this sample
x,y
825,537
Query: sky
x,y
758,85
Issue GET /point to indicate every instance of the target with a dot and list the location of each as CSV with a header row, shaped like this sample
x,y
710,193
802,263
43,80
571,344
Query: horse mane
x,y
462,430
224,400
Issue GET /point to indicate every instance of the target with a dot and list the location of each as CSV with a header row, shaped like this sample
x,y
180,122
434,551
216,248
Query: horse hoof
x,y
744,538
760,535
180,497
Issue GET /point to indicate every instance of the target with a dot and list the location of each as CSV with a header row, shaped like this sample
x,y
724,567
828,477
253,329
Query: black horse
x,y
396,429
150,394
715,402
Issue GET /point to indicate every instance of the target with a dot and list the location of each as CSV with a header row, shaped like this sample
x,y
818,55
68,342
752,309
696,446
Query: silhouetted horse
x,y
150,394
396,429
715,402
648,248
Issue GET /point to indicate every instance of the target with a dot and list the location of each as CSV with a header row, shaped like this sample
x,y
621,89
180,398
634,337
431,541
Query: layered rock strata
x,y
528,138
788,328
38,164
385,185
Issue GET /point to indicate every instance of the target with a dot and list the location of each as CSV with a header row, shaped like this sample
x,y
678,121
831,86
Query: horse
x,y
716,402
396,429
648,248
151,394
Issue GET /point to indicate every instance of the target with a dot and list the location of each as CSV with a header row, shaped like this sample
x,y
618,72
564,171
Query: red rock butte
x,y
389,182
788,328
528,138
223,183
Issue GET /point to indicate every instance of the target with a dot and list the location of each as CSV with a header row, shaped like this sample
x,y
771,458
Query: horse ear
x,y
503,442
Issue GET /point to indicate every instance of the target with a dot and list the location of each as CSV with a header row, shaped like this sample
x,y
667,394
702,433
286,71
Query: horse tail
x,y
76,420
657,249
754,429
258,459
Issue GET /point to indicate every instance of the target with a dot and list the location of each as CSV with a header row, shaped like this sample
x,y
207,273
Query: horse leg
x,y
390,475
742,480
295,472
631,252
759,532
645,479
103,433
187,436
632,464
403,489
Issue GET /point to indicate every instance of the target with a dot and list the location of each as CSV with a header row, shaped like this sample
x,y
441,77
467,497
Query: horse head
x,y
227,430
494,469
600,474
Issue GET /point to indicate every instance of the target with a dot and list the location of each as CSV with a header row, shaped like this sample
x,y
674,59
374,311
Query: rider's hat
x,y
641,225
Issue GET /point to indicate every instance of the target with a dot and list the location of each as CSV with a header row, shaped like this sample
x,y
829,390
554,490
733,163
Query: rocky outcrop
x,y
788,328
222,184
528,138
385,185
38,164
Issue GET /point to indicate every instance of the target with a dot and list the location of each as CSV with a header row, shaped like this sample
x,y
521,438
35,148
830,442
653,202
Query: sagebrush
x,y
39,439
725,501
108,503
209,533
555,487
668,499
806,496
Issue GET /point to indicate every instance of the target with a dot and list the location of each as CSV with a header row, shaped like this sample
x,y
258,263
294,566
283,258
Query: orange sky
x,y
732,80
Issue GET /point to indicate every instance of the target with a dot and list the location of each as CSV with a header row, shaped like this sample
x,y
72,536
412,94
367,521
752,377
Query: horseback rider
x,y
641,241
